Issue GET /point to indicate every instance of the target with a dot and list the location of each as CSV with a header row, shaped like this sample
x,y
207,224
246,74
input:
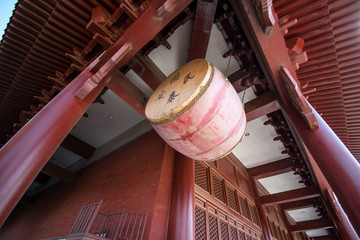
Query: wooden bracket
x,y
166,8
298,99
102,74
265,14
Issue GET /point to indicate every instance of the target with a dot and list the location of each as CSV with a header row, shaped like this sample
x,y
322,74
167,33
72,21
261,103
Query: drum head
x,y
179,92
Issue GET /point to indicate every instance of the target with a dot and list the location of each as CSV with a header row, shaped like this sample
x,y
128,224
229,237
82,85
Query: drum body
x,y
198,112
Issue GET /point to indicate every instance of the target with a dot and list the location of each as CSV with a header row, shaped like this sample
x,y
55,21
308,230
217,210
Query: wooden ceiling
x,y
330,78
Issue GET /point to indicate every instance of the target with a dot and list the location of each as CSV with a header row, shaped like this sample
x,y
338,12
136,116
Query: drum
x,y
197,111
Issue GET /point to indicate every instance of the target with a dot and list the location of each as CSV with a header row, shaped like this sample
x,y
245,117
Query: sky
x,y
6,8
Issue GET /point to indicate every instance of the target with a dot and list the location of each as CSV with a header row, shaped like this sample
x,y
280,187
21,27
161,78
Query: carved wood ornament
x,y
298,99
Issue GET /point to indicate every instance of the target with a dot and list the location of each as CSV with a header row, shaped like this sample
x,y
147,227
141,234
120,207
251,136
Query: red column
x,y
23,157
181,220
261,210
338,165
340,219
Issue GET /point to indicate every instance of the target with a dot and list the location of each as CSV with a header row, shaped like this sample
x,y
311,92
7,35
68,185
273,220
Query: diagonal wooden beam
x,y
309,225
126,90
273,168
290,196
60,173
299,204
78,146
204,18
260,106
147,70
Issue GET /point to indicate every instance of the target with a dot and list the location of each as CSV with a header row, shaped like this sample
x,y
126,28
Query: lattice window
x,y
244,207
232,198
233,233
248,237
272,227
200,223
254,215
278,232
218,188
202,176
241,235
224,230
213,228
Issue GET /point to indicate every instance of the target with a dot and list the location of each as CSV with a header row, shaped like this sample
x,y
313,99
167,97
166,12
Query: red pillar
x,y
181,220
339,217
338,165
23,157
261,210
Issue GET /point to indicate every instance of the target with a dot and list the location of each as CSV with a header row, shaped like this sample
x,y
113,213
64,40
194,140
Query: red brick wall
x,y
127,178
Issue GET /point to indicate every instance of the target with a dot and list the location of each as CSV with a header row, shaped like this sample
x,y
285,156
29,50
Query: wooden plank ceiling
x,y
330,78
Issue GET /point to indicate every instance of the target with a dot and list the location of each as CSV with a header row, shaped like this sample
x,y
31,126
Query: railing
x,y
85,218
117,226
122,225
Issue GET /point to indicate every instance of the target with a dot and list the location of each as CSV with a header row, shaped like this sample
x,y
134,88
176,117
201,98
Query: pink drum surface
x,y
212,127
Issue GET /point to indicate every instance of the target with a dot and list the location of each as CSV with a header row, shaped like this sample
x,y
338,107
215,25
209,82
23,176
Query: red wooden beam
x,y
147,70
126,90
274,168
60,173
260,106
261,210
290,196
78,146
298,204
204,19
23,157
309,225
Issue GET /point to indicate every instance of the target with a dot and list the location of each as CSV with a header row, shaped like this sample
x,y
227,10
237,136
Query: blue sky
x,y
6,8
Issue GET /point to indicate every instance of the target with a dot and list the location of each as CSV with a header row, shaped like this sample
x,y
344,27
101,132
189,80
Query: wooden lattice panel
x,y
200,223
233,233
224,230
244,207
218,188
213,227
202,176
232,198
254,214
241,235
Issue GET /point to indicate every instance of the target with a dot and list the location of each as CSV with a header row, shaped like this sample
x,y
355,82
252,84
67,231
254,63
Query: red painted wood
x,y
335,161
181,219
127,91
343,225
27,152
260,106
261,210
309,225
163,196
290,196
204,19
273,168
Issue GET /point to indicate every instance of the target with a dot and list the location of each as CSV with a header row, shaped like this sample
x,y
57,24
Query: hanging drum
x,y
197,111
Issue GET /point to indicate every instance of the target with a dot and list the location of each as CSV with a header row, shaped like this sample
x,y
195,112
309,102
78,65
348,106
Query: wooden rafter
x,y
290,196
60,173
204,18
273,168
260,106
